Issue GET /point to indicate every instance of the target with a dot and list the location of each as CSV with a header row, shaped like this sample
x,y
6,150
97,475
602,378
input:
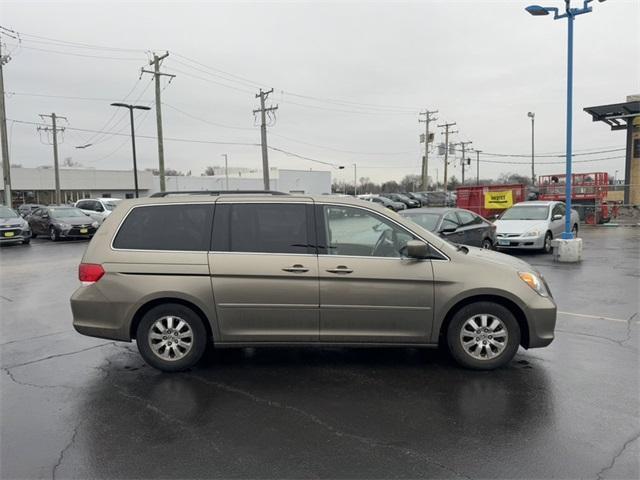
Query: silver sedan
x,y
532,225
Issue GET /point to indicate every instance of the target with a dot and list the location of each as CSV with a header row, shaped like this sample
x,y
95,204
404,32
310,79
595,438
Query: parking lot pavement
x,y
72,406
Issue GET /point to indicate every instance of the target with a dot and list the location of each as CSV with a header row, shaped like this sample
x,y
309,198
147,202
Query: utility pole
x,y
464,160
355,182
478,166
226,170
54,129
263,134
157,74
532,116
6,165
425,161
446,127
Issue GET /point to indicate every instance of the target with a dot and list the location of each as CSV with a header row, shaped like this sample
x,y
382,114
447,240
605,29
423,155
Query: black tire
x,y
574,230
26,241
487,244
473,311
54,235
547,248
198,338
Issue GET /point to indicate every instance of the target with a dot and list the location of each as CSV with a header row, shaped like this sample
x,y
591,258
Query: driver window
x,y
357,232
558,209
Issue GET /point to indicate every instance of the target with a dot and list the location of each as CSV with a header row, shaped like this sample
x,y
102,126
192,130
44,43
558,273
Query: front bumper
x,y
9,235
532,243
77,232
541,318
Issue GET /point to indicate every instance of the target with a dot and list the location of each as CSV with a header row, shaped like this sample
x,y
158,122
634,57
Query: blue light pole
x,y
570,14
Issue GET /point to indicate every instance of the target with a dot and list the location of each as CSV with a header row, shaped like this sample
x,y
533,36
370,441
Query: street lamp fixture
x,y
133,137
570,14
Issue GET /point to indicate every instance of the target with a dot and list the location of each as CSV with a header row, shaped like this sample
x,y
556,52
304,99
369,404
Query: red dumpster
x,y
489,200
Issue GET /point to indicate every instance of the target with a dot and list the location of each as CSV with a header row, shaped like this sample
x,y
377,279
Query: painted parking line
x,y
598,317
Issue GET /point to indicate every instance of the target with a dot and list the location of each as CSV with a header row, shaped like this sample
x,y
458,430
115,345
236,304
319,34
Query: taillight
x,y
90,272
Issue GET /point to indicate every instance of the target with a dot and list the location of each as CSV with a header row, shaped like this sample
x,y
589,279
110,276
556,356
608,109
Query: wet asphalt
x,y
77,407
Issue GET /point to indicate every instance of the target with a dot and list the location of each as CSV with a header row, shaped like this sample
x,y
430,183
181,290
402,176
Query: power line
x,y
73,54
204,120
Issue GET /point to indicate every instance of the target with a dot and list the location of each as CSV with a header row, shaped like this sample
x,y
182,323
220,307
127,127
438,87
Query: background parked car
x,y
415,196
385,202
13,228
27,209
62,222
398,197
98,208
532,225
456,225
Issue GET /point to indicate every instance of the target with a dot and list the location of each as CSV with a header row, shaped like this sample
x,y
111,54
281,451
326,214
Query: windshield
x,y
428,221
63,212
6,212
110,205
529,212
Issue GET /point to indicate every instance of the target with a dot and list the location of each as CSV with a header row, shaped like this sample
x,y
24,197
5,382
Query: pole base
x,y
567,250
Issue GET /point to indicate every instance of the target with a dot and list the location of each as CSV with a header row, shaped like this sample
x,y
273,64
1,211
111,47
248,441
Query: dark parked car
x,y
13,228
62,222
456,225
398,197
27,209
415,196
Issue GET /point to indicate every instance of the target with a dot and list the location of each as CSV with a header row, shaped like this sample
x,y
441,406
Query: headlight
x,y
95,224
532,233
535,282
63,226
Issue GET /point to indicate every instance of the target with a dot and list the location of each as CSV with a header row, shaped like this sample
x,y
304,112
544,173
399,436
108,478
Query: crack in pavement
x,y
629,324
33,338
370,442
31,362
64,450
27,384
601,337
6,298
599,475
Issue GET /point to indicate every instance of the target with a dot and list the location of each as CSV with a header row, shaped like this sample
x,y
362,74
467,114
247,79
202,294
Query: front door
x,y
368,291
264,272
557,226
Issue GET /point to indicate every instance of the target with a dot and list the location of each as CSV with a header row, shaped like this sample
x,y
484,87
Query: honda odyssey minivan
x,y
178,272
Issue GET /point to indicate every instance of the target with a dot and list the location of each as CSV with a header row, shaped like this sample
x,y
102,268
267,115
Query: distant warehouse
x,y
37,185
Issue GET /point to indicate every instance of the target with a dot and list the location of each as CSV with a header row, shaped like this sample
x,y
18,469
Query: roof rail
x,y
218,192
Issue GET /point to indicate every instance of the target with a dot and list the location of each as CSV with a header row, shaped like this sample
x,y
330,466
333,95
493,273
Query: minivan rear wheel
x,y
171,337
483,336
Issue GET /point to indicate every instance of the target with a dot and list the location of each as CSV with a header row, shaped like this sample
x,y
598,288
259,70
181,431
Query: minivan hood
x,y
490,256
518,226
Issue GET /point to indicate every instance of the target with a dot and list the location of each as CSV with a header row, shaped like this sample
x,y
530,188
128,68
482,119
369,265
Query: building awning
x,y
615,115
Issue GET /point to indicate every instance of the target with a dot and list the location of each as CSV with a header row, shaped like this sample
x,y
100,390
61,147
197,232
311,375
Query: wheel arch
x,y
142,310
510,305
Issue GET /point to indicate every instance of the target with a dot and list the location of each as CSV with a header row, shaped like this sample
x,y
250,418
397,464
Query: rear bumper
x,y
96,316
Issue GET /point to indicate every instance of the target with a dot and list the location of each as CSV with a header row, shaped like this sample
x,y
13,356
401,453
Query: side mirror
x,y
417,249
557,216
448,231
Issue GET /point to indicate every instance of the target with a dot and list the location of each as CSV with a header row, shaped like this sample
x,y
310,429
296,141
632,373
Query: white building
x,y
37,185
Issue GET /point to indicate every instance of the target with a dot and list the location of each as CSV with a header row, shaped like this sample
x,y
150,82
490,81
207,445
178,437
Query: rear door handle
x,y
297,268
340,269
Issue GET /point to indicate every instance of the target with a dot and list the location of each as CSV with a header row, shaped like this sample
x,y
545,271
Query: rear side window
x,y
184,227
267,228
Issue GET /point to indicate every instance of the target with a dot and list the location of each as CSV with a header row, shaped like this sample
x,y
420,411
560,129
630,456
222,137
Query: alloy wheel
x,y
170,338
484,336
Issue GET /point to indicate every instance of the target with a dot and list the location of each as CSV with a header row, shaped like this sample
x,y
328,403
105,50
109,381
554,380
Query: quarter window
x,y
185,227
266,228
358,232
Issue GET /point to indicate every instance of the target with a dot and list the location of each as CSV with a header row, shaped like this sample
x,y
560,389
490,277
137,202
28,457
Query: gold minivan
x,y
177,272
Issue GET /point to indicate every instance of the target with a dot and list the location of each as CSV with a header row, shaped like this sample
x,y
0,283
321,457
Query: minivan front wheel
x,y
483,336
171,337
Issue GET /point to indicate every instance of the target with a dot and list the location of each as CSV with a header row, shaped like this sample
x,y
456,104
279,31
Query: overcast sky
x,y
370,65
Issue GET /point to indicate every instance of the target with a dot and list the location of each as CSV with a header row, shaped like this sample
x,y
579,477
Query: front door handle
x,y
340,269
297,268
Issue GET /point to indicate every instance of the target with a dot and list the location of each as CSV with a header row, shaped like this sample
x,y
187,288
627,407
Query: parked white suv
x,y
98,208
